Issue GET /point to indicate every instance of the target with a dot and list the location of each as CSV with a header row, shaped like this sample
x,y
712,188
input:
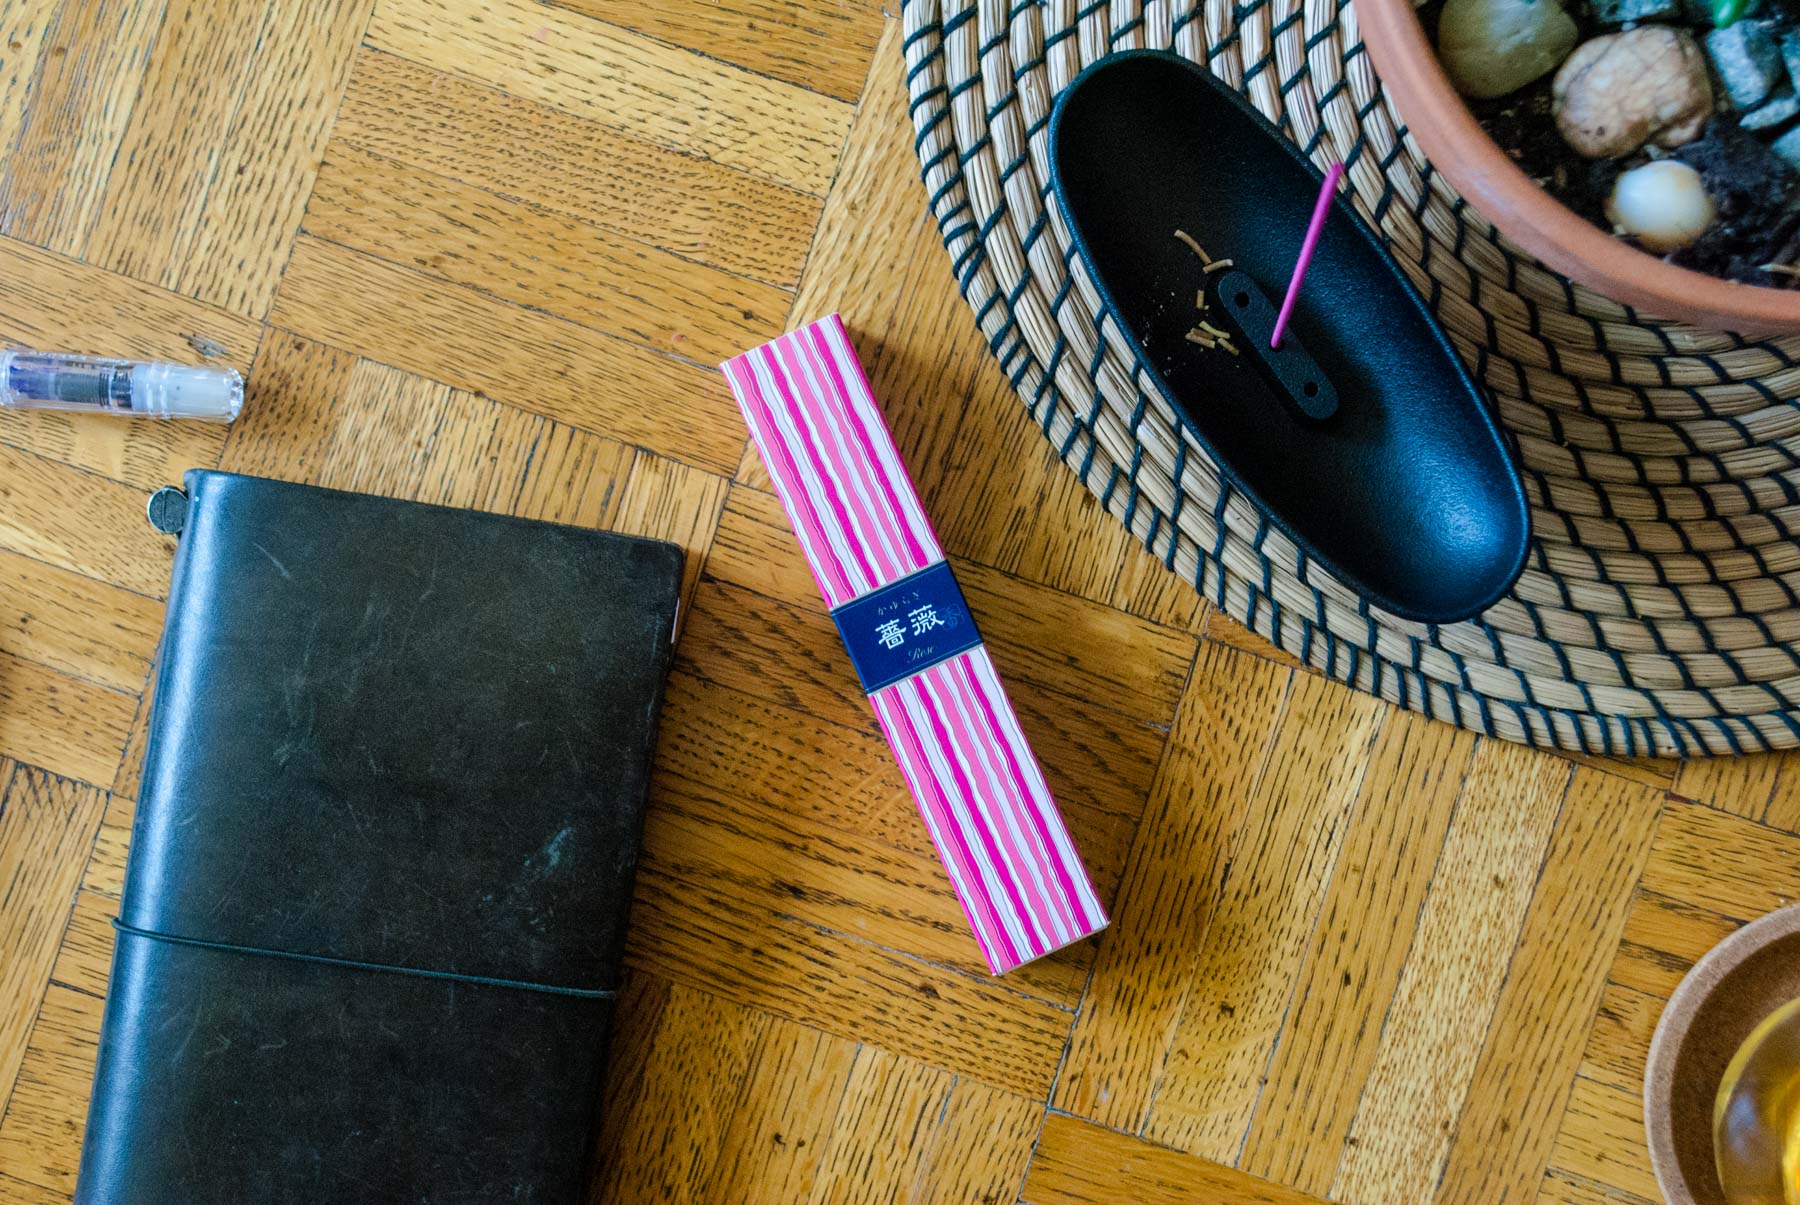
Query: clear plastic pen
x,y
38,380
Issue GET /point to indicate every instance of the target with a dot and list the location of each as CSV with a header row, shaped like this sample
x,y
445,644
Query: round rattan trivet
x,y
1659,611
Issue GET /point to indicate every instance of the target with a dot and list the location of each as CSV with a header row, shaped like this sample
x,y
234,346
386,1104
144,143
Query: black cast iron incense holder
x,y
1362,437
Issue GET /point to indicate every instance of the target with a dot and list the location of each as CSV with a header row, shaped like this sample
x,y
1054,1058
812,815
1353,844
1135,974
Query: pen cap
x,y
178,391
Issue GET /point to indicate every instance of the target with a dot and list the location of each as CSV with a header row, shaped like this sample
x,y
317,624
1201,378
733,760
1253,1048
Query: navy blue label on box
x,y
907,626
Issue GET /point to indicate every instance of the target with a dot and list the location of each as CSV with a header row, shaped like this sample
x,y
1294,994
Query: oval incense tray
x,y
1362,437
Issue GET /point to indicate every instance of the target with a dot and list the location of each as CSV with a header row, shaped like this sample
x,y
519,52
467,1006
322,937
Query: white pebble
x,y
1663,203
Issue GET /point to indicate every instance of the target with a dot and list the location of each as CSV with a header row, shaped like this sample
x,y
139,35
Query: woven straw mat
x,y
1658,611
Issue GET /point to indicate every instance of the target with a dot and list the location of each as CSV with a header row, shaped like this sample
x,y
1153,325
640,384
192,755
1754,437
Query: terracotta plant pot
x,y
1729,992
1459,148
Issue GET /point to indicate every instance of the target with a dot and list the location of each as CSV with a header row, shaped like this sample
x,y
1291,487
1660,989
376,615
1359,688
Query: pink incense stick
x,y
1332,175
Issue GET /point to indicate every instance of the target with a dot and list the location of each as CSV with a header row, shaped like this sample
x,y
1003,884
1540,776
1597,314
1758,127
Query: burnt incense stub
x,y
1404,488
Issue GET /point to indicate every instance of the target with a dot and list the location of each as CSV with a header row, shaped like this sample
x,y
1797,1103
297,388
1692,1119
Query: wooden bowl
x,y
1729,992
1490,181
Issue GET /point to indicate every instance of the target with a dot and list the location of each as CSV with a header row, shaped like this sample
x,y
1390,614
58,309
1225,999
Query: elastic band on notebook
x,y
486,980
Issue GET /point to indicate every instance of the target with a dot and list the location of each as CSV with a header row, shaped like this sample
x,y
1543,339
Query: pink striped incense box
x,y
914,644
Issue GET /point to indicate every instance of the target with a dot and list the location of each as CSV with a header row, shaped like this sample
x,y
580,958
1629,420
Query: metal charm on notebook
x,y
167,510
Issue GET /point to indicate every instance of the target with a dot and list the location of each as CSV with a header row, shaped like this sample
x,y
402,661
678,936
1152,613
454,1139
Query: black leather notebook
x,y
376,898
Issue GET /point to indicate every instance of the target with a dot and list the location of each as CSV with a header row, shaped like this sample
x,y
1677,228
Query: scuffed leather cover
x,y
396,734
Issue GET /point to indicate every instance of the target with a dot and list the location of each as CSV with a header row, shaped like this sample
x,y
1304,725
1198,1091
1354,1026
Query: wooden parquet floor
x,y
486,254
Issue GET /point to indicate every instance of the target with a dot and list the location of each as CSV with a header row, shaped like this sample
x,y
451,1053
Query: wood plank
x,y
1082,1164
46,832
982,1146
881,1135
84,959
637,1015
480,455
794,658
1215,756
1618,1046
1602,1140
290,398
63,724
824,47
741,744
966,1025
1663,939
1250,963
60,304
270,155
538,258
871,225
1073,544
1739,785
1723,863
1144,586
1038,634
18,1192
516,148
530,360
24,26
1454,975
105,873
197,66
1783,811
1366,925
977,462
756,549
145,454
1099,773
1223,629
387,430
1535,1041
779,1128
89,72
1561,1188
128,774
632,83
699,1059
40,1137
666,500
76,625
1658,772
400,434
81,522
575,477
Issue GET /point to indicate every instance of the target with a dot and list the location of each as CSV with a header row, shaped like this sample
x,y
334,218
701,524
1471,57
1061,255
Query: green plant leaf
x,y
1726,11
